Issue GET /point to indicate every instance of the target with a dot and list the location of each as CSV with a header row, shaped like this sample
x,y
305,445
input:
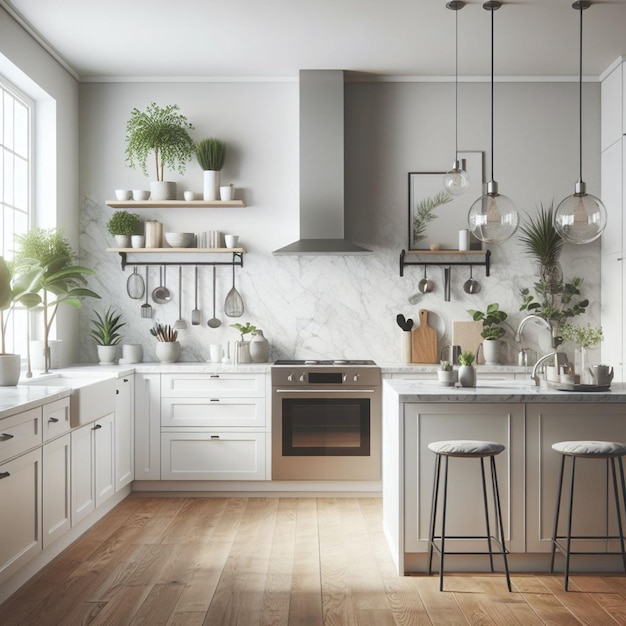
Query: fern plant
x,y
424,213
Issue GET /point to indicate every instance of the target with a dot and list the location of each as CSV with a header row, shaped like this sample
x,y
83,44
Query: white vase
x,y
447,377
241,352
405,346
122,241
168,351
211,184
259,347
162,190
467,376
107,355
10,365
491,351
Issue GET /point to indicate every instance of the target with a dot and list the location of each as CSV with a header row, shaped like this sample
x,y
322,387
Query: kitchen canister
x,y
259,347
464,239
405,346
154,234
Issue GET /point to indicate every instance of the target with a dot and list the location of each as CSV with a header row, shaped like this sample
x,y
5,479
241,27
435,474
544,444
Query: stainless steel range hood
x,y
321,167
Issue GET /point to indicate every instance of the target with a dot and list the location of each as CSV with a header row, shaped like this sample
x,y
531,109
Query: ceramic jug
x,y
601,374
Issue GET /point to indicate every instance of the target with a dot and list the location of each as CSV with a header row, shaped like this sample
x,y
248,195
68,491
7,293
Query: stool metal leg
x,y
569,526
496,497
618,509
623,482
433,513
556,514
490,547
443,524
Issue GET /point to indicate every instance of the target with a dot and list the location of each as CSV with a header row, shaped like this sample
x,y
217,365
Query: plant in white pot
x,y
211,153
467,371
492,320
123,225
106,333
167,347
163,133
242,348
446,373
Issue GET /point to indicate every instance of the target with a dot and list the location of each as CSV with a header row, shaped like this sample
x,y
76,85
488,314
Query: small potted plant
x,y
492,320
122,226
467,371
163,132
446,374
105,332
211,153
167,347
242,348
584,337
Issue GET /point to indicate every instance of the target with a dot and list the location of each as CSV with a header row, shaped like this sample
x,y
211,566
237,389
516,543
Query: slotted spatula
x,y
146,309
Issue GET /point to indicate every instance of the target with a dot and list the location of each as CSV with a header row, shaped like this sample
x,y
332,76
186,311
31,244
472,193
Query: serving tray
x,y
578,387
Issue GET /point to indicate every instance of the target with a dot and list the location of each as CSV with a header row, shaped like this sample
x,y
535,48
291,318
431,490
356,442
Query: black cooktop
x,y
324,362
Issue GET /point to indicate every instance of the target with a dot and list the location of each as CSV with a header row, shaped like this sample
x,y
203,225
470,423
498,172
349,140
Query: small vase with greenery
x,y
211,153
492,331
242,348
105,332
467,372
163,133
584,337
446,373
122,225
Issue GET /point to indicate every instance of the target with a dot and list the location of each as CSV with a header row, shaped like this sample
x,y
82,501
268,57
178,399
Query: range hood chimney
x,y
321,167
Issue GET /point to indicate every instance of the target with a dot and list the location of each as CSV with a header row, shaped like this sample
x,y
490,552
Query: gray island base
x,y
527,420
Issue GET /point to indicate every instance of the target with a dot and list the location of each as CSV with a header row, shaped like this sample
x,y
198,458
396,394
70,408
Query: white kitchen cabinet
x,y
19,433
612,100
593,502
220,411
124,432
20,511
147,426
56,491
56,419
612,178
612,280
93,474
227,385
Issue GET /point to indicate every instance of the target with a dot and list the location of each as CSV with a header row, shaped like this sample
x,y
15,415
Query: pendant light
x,y
581,217
493,218
457,180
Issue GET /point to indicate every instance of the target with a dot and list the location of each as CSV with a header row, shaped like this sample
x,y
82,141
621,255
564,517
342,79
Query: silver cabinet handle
x,y
97,426
214,376
214,400
54,420
6,436
215,436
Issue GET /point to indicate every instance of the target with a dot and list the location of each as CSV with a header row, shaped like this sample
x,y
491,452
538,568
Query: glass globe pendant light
x,y
581,217
457,180
493,218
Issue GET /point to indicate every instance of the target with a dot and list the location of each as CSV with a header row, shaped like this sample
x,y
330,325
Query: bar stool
x,y
474,450
573,450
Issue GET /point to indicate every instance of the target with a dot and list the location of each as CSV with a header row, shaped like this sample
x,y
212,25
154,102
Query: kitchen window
x,y
16,141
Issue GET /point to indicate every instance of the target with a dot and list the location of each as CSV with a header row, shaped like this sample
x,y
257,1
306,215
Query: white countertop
x,y
503,391
24,397
415,368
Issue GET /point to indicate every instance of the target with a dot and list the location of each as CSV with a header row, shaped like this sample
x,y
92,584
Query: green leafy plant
x,y
161,131
466,358
106,328
540,238
124,223
244,329
492,319
446,366
583,336
164,332
211,153
424,213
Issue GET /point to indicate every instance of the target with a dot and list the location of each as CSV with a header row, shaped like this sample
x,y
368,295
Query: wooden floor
x,y
297,561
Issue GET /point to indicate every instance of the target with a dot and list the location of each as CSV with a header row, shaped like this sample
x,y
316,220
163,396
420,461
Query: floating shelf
x,y
445,257
170,204
237,255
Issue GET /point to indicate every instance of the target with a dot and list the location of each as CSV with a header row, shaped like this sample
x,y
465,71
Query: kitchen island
x,y
527,420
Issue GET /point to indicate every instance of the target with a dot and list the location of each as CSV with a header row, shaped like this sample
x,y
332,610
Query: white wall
x,y
336,306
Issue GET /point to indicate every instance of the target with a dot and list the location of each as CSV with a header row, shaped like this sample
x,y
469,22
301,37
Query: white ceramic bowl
x,y
179,240
122,194
140,194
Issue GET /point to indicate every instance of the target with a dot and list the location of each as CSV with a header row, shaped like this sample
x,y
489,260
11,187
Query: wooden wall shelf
x,y
171,204
445,258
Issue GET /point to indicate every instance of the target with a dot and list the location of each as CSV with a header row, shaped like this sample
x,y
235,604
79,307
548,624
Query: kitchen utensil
x,y
233,305
425,285
424,341
447,275
414,299
161,294
196,314
135,287
451,353
180,323
146,309
214,322
404,323
470,285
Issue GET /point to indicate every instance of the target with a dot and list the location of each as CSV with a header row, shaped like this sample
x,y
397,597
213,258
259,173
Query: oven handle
x,y
314,391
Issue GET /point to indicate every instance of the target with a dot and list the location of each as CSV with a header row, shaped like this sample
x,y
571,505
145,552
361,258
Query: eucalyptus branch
x,y
424,213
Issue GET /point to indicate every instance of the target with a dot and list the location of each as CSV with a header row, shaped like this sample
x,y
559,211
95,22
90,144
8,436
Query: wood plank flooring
x,y
279,561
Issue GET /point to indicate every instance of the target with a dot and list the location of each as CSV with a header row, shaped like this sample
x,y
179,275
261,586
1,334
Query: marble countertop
x,y
25,397
419,368
503,391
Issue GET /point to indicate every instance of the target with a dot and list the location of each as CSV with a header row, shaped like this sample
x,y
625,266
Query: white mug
x,y
132,352
231,240
189,196
215,352
227,193
138,241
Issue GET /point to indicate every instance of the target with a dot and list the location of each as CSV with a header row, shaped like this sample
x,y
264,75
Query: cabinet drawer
x,y
212,385
213,412
56,419
19,433
218,456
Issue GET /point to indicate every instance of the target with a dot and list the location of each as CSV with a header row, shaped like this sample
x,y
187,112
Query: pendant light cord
x,y
492,48
456,85
580,97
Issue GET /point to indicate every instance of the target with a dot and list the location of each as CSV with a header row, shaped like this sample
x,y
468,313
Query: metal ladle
x,y
471,286
425,285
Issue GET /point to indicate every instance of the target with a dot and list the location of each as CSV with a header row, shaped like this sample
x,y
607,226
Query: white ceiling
x,y
276,38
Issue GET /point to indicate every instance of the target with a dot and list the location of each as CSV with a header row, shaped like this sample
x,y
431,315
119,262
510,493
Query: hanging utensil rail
x,y
237,259
446,258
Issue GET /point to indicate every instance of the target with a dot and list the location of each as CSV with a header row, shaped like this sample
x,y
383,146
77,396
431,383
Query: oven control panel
x,y
325,376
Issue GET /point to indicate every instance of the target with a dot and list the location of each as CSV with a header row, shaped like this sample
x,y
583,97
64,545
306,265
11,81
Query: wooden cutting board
x,y
424,341
467,335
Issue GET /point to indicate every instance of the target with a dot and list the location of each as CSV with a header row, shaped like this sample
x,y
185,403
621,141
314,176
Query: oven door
x,y
326,434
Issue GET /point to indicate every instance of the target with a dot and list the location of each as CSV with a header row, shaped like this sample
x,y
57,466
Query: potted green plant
x,y
167,347
122,225
163,133
105,332
467,371
242,348
584,337
446,374
211,153
46,272
492,331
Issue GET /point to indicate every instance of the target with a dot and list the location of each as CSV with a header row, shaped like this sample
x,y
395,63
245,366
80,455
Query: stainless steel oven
x,y
326,420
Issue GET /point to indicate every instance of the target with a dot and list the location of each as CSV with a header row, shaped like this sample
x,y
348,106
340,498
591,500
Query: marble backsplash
x,y
320,306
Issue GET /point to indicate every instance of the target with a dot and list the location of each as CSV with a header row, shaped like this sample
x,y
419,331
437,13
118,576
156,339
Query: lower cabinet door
x,y
20,512
213,456
104,443
83,484
56,502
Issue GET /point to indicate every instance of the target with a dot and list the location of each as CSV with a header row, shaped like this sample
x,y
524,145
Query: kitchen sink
x,y
92,396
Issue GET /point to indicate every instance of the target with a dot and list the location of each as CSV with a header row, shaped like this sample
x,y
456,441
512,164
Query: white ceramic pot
x,y
132,352
467,376
259,347
211,183
227,193
138,241
122,241
162,190
10,365
447,378
107,355
491,351
168,351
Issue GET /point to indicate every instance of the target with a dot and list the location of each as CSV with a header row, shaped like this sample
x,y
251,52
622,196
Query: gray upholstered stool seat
x,y
469,449
610,451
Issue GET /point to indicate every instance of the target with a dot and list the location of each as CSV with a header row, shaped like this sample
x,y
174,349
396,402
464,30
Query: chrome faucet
x,y
560,359
532,316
